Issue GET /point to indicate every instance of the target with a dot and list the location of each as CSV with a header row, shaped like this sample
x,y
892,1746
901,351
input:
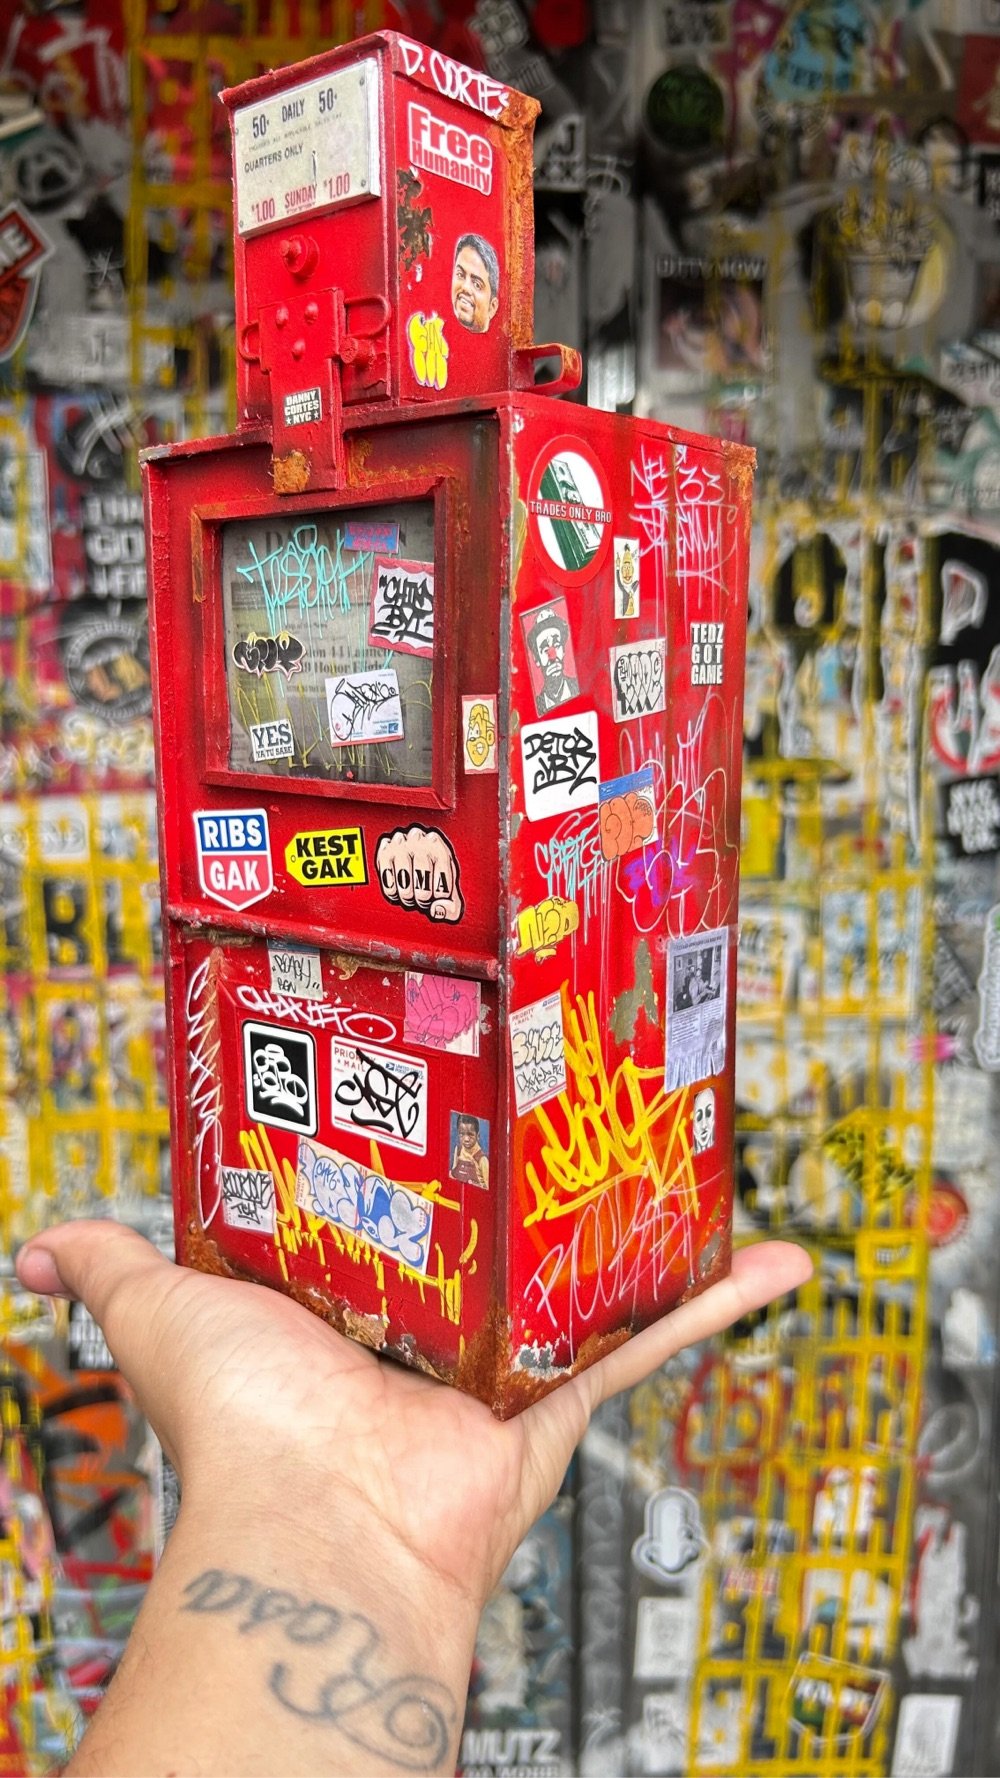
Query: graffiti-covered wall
x,y
775,222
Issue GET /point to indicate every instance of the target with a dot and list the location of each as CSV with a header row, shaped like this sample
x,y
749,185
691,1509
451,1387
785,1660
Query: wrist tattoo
x,y
409,1718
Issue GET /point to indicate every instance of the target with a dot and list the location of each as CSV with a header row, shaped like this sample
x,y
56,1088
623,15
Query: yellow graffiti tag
x,y
428,349
541,927
602,1132
298,1229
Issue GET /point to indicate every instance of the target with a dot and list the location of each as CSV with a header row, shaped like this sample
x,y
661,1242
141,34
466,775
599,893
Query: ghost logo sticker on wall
x,y
673,1537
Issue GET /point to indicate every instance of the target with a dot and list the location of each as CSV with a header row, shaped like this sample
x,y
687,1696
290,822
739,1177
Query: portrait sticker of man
x,y
550,656
475,283
470,1150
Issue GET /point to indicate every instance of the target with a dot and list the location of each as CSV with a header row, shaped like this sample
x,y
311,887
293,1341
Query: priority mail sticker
x,y
381,1094
234,855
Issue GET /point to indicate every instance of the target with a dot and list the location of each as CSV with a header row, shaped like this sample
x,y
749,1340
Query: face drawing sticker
x,y
626,577
475,283
550,656
703,1120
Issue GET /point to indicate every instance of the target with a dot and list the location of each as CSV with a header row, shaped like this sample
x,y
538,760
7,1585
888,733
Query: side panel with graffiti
x,y
627,668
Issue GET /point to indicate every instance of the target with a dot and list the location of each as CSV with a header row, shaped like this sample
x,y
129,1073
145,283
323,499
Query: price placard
x,y
309,148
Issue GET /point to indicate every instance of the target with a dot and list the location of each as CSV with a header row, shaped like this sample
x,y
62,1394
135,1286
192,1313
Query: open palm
x,y
243,1387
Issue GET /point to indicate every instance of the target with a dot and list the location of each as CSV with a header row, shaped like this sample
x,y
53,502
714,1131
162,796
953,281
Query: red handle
x,y
570,368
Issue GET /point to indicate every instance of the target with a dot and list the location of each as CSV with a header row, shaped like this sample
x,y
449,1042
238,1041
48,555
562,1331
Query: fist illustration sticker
x,y
417,870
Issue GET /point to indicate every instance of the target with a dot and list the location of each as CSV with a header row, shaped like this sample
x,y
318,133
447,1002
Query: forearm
x,y
258,1650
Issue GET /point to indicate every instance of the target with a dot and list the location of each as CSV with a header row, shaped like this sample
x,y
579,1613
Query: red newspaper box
x,y
448,698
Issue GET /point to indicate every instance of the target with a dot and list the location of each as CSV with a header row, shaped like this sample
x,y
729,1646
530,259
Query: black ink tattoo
x,y
410,1719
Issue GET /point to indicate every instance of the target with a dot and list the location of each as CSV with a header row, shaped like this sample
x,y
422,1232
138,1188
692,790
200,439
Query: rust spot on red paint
x,y
291,473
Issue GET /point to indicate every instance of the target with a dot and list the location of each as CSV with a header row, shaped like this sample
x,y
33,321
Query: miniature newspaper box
x,y
449,681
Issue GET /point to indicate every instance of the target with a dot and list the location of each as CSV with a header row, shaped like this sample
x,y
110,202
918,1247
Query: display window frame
x,y
208,523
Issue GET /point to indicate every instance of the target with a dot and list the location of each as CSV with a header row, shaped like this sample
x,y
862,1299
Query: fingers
x,y
116,1272
417,869
385,865
760,1273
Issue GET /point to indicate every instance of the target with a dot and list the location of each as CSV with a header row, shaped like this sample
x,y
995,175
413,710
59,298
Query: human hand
x,y
244,1388
343,1520
417,868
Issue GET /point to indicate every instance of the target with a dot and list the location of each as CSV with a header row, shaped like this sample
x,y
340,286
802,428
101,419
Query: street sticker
x,y
639,679
327,858
697,986
279,1077
402,613
296,973
479,728
707,643
23,251
379,1093
538,1052
248,1199
388,1216
234,855
926,1735
364,707
441,1012
272,740
551,661
628,813
665,1638
627,559
469,1148
303,407
309,148
986,1041
569,517
561,765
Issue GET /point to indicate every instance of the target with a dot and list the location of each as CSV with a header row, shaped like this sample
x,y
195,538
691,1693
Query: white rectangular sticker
x,y
378,1093
272,740
926,1734
697,989
310,147
561,765
388,1216
248,1199
665,1638
538,1053
364,707
638,679
296,974
303,406
402,614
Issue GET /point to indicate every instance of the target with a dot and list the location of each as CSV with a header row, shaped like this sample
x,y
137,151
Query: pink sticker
x,y
442,1013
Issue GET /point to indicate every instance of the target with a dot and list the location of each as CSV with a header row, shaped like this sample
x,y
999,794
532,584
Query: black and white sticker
x,y
303,406
272,740
248,1199
279,1069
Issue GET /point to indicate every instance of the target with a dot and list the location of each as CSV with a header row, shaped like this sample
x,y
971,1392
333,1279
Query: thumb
x,y
114,1271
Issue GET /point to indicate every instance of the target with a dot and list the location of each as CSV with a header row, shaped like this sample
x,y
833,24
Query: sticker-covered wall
x,y
778,223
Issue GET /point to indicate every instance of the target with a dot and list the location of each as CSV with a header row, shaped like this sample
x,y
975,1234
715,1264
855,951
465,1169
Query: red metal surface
x,y
448,725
